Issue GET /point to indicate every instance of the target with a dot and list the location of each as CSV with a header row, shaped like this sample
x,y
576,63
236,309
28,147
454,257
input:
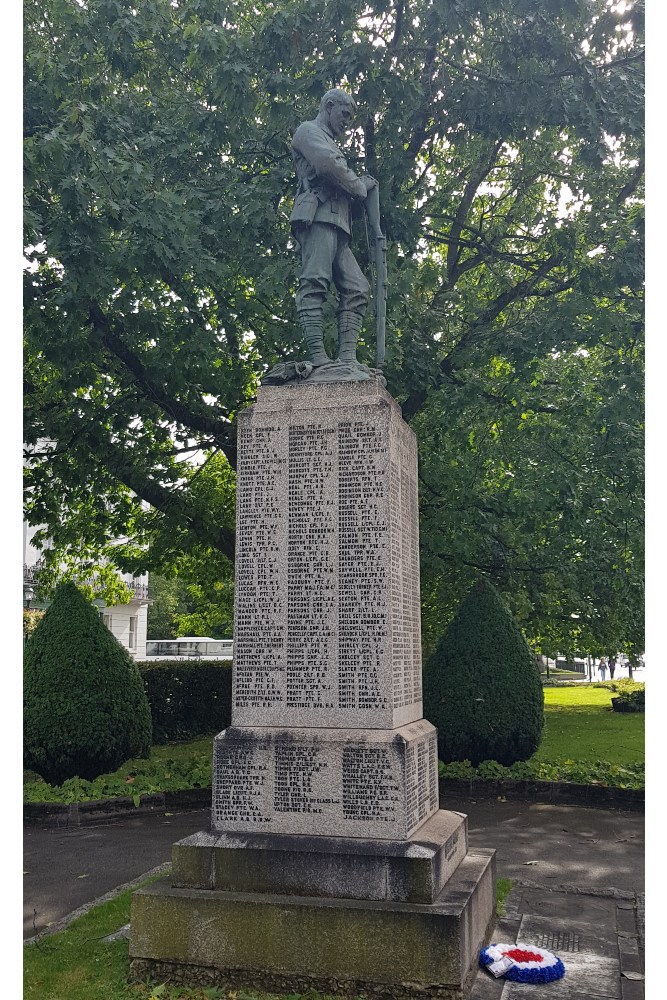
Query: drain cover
x,y
560,941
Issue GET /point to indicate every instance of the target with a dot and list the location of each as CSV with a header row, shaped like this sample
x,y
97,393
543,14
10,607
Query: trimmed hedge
x,y
482,688
85,709
188,699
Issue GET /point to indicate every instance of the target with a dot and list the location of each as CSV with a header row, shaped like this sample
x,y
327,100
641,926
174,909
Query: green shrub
x,y
629,701
85,708
188,698
482,686
624,684
31,619
621,684
599,772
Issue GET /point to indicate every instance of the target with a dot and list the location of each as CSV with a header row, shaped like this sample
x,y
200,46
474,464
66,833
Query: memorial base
x,y
379,783
342,947
403,871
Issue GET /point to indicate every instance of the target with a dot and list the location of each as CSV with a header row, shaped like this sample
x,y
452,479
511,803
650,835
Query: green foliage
x,y
198,599
503,889
85,708
482,688
629,701
508,141
621,684
166,597
170,768
599,772
188,699
31,619
84,567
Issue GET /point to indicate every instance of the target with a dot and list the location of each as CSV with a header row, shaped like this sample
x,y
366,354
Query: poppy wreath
x,y
530,964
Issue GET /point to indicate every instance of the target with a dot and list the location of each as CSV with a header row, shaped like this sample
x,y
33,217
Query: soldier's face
x,y
340,117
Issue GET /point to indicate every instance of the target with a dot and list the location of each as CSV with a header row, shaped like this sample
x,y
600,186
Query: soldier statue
x,y
321,223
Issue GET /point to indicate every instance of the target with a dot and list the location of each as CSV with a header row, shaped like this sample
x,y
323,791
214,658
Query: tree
x,y
166,598
482,688
543,499
199,600
508,141
85,708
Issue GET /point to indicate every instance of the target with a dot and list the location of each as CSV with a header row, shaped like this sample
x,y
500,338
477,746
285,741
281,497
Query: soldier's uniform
x,y
321,222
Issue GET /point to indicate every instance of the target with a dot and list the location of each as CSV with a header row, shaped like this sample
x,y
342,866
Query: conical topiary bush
x,y
482,689
85,707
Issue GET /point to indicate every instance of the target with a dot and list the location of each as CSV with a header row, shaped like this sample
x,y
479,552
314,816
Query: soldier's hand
x,y
369,181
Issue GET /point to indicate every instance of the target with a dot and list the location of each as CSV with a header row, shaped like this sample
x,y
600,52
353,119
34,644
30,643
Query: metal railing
x,y
30,572
139,589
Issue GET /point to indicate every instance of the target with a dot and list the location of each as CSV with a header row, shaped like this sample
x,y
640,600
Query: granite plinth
x,y
327,610
413,870
293,943
379,784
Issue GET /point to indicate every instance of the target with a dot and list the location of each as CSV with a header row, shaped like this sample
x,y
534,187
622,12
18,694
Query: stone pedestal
x,y
327,618
413,870
328,864
379,783
342,947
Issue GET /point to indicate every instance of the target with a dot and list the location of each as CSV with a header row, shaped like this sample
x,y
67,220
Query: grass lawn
x,y
77,964
580,726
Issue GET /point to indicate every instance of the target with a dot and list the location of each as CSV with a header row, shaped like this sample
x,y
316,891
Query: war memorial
x,y
328,864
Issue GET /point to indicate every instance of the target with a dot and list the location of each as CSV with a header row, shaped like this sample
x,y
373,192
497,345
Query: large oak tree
x,y
507,137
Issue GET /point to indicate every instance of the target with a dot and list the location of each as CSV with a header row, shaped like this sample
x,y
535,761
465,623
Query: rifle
x,y
372,205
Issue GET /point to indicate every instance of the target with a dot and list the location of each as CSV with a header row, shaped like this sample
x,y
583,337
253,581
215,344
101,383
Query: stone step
x,y
341,947
413,870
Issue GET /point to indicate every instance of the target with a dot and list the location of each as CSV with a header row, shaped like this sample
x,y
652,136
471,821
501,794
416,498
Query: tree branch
x,y
220,427
482,170
491,567
632,184
398,28
171,503
421,126
524,289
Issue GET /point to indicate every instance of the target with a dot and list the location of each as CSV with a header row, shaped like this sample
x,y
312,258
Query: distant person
x,y
602,668
612,667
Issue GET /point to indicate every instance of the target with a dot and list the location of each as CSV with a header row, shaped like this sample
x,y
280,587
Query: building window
x,y
108,621
133,631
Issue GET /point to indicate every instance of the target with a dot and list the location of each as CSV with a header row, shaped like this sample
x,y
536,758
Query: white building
x,y
128,622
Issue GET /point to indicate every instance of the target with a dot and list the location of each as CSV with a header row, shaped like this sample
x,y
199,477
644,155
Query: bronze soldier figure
x,y
321,223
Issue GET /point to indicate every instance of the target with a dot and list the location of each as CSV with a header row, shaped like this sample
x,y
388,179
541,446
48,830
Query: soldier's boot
x,y
312,331
349,327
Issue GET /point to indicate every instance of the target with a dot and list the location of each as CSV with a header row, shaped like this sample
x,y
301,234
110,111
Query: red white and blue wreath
x,y
529,963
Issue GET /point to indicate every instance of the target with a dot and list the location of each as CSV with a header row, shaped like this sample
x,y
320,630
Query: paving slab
x,y
597,939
